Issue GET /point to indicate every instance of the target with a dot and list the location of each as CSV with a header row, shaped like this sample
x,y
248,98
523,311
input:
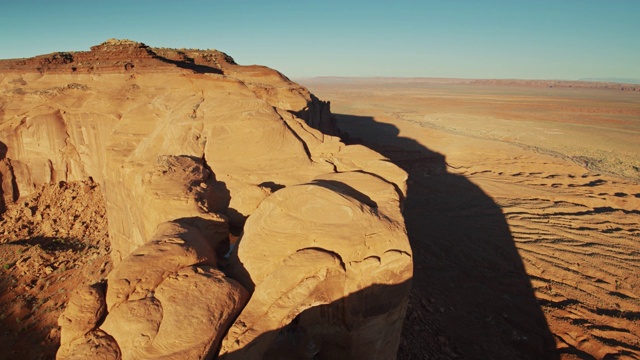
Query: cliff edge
x,y
240,226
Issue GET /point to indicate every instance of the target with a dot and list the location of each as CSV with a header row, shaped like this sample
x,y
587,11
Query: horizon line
x,y
601,80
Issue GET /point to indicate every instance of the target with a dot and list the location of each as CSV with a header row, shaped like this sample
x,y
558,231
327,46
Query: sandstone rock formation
x,y
318,244
188,145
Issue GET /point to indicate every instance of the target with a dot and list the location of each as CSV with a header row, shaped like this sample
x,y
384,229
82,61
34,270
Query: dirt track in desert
x,y
523,211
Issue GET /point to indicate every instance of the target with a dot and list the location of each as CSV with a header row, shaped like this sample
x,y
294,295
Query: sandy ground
x,y
50,242
523,211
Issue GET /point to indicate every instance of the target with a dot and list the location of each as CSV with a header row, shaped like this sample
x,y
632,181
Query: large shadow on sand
x,y
471,297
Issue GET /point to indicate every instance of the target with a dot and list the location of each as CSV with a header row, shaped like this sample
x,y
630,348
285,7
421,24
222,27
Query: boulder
x,y
324,245
85,310
164,301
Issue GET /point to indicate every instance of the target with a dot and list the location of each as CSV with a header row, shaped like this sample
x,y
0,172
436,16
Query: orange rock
x,y
85,309
186,144
324,245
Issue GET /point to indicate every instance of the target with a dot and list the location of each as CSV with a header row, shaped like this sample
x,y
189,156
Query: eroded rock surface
x,y
188,145
324,244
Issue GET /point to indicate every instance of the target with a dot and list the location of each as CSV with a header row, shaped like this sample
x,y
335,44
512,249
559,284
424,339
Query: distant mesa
x,y
188,148
613,80
604,83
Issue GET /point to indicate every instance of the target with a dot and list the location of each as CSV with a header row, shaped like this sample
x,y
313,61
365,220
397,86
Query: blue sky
x,y
536,39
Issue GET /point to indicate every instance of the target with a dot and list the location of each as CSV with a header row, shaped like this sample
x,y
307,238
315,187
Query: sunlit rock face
x,y
188,145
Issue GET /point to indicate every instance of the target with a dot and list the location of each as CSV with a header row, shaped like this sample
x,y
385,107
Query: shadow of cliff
x,y
52,244
190,64
471,297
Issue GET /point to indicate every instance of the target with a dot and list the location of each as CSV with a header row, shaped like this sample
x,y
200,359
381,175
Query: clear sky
x,y
536,39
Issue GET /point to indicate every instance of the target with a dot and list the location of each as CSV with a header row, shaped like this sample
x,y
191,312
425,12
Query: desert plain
x,y
522,210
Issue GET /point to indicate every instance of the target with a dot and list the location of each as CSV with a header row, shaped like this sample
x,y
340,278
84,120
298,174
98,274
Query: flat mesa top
x,y
123,55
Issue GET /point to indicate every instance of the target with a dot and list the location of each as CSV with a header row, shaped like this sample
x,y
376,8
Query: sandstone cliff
x,y
187,145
